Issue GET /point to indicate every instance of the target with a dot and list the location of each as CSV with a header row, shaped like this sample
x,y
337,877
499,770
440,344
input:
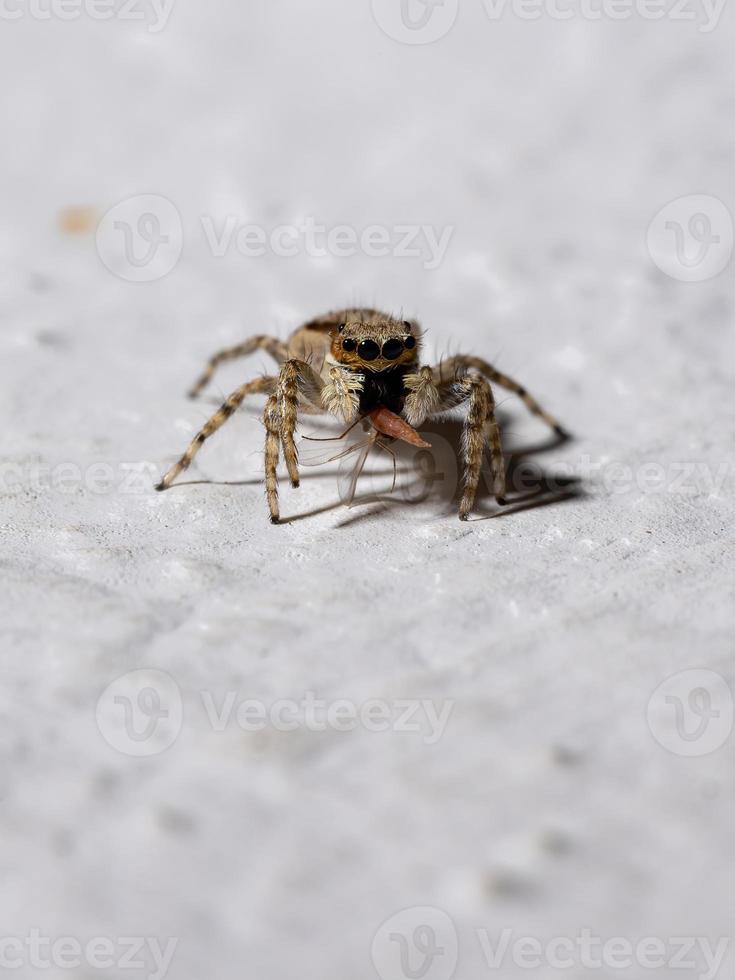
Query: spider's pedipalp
x,y
422,398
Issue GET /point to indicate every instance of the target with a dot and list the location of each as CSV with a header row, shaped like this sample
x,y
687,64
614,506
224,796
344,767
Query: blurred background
x,y
546,186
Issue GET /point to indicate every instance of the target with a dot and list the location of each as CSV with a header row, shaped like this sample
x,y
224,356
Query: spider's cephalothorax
x,y
380,351
361,363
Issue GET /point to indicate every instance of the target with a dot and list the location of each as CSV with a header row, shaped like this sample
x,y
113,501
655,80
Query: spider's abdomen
x,y
383,388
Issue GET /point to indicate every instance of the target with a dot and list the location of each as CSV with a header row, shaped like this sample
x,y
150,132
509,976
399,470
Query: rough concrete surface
x,y
561,793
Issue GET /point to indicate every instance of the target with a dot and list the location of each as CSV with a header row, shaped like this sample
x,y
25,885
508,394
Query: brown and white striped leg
x,y
272,422
228,408
480,430
276,348
288,399
455,366
296,380
298,383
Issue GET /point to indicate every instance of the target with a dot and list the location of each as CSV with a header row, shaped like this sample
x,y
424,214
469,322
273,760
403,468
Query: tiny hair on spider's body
x,y
361,364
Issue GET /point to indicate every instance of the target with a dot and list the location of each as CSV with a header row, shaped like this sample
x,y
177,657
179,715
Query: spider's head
x,y
377,343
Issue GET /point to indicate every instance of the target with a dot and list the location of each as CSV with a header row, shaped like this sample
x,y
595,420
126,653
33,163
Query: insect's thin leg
x,y
272,420
387,448
461,362
276,348
359,467
228,408
333,438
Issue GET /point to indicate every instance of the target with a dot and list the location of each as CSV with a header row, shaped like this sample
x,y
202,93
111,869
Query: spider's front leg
x,y
296,380
461,363
481,428
276,348
226,411
427,395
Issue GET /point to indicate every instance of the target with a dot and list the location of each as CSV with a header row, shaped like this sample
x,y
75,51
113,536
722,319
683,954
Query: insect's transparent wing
x,y
318,453
348,486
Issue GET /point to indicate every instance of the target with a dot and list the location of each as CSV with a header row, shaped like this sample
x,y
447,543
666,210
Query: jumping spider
x,y
363,365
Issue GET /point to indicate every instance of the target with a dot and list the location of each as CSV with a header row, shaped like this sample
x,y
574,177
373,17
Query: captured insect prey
x,y
361,365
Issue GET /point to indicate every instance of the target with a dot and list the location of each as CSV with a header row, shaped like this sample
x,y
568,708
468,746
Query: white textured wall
x,y
547,805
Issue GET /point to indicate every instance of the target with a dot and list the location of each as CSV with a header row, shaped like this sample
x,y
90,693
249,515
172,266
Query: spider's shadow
x,y
434,474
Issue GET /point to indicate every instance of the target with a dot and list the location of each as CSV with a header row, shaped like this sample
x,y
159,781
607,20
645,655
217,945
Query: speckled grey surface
x,y
547,805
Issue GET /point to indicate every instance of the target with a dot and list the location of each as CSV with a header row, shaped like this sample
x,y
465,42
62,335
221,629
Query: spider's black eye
x,y
392,349
348,344
368,350
341,327
409,343
407,324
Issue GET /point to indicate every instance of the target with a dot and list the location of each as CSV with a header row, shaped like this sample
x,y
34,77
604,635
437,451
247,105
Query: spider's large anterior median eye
x,y
368,350
348,344
392,349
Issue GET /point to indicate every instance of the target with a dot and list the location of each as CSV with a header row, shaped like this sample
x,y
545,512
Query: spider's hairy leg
x,y
288,397
227,409
296,378
455,366
480,425
272,420
276,348
423,396
480,429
